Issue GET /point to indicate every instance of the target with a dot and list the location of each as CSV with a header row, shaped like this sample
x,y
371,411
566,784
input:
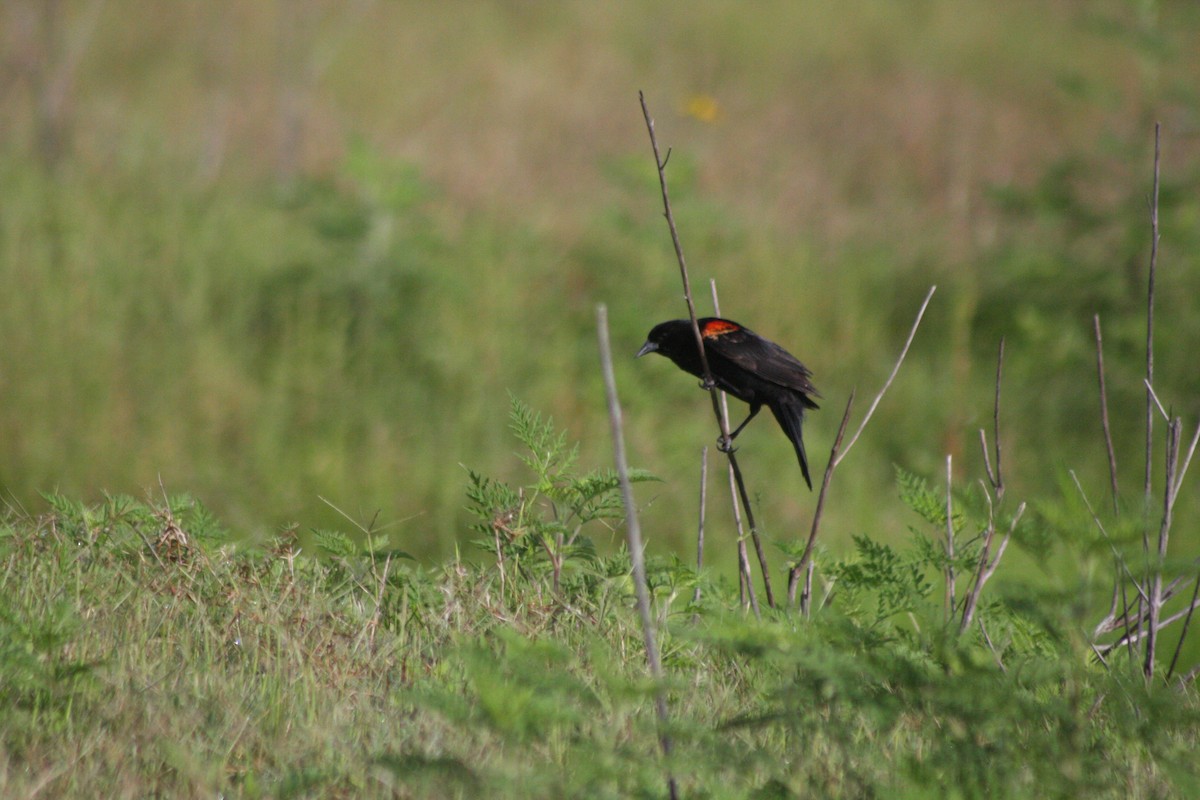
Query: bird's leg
x,y
726,445
708,384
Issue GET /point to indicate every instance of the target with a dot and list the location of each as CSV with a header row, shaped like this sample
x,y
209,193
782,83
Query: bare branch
x,y
709,383
950,602
634,540
1158,403
998,484
874,403
1104,533
1187,461
1164,531
1108,441
799,567
1187,621
737,480
984,552
1150,400
700,525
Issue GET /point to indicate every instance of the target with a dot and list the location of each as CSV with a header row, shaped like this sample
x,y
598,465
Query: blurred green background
x,y
269,252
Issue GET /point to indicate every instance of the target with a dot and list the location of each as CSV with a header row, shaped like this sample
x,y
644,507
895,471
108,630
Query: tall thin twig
x,y
1164,532
1108,441
634,539
998,484
748,595
1150,400
995,476
836,454
950,602
895,369
722,419
805,558
736,480
700,524
1186,624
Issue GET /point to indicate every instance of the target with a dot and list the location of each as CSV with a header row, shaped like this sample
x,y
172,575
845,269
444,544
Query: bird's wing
x,y
753,353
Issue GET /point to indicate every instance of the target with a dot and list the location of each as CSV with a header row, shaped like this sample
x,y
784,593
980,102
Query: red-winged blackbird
x,y
747,366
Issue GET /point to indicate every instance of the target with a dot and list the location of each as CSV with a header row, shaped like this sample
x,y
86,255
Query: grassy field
x,y
145,654
295,259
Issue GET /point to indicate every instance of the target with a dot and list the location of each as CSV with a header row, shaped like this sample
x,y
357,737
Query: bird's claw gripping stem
x,y
725,445
708,384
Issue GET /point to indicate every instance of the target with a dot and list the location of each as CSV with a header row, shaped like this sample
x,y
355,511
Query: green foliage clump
x,y
542,524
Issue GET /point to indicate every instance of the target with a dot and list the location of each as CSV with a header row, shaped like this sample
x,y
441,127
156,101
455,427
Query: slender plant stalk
x,y
735,473
1108,441
984,552
748,595
1164,531
836,454
895,369
1150,399
995,477
950,602
722,419
634,539
700,524
1187,622
800,566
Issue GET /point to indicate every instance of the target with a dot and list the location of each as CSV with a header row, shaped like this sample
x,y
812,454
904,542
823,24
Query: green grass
x,y
145,653
319,341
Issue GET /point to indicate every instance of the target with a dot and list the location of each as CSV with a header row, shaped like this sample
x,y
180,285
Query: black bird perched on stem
x,y
752,369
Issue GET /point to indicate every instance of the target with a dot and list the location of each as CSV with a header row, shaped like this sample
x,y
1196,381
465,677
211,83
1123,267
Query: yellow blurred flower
x,y
703,107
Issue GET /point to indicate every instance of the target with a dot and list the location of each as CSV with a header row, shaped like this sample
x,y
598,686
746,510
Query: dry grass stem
x,y
1150,399
634,539
895,369
718,410
700,523
1108,441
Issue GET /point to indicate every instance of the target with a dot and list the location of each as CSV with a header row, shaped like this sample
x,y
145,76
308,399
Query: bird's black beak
x,y
648,347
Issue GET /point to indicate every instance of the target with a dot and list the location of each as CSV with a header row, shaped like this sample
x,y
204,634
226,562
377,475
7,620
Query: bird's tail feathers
x,y
790,414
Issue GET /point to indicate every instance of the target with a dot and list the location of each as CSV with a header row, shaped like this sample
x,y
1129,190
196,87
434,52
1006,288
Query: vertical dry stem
x,y
1150,401
950,601
722,418
700,524
836,455
1108,442
634,538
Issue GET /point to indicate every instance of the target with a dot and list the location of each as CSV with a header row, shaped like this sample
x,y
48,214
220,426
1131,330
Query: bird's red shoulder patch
x,y
718,327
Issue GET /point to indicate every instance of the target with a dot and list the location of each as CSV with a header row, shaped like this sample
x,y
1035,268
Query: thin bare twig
x,y
634,539
749,596
1100,525
950,602
998,483
1139,635
874,403
1157,403
737,481
1187,461
836,454
700,525
722,419
977,585
1164,531
1186,624
1169,591
988,640
1108,441
1150,400
799,567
